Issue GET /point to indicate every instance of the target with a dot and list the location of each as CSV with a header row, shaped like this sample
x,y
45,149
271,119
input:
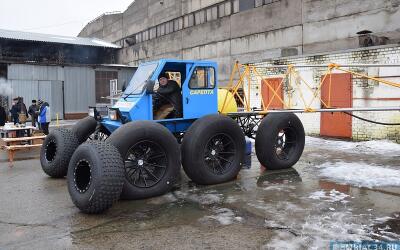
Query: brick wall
x,y
366,93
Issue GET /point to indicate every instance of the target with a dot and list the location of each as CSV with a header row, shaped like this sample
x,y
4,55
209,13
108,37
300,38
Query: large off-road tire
x,y
213,150
280,141
152,158
57,151
95,176
84,128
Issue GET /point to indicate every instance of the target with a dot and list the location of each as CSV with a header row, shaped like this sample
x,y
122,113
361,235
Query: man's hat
x,y
163,75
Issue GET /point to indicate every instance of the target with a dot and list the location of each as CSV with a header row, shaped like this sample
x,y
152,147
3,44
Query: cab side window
x,y
202,78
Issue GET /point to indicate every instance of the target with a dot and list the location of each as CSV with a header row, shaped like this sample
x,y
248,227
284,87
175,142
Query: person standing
x,y
15,111
33,112
44,116
23,112
3,116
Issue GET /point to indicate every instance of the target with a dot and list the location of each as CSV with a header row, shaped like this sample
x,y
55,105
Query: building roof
x,y
46,38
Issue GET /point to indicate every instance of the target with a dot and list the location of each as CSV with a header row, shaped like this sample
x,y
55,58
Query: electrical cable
x,y
370,121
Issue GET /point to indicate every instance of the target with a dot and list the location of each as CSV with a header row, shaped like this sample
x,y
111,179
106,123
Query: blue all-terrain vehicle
x,y
130,155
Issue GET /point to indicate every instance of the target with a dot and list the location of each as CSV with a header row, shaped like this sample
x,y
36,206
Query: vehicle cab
x,y
197,81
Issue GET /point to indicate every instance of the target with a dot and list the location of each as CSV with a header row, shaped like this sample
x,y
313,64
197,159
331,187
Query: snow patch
x,y
332,196
375,147
360,175
317,232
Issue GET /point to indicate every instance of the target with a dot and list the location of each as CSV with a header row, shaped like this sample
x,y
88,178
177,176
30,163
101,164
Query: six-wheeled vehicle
x,y
128,154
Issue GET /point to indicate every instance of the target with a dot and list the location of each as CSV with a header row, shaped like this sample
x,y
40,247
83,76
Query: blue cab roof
x,y
179,61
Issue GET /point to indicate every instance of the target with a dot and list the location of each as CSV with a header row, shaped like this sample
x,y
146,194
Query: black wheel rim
x,y
145,164
219,154
82,176
51,151
286,142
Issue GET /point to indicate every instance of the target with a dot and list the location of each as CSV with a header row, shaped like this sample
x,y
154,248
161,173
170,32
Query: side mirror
x,y
150,86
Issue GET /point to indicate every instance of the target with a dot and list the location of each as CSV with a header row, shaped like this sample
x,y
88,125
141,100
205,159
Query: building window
x,y
246,4
259,3
202,78
221,10
102,81
199,17
214,12
209,15
178,24
153,32
158,30
145,35
188,20
162,29
228,8
139,38
169,27
235,8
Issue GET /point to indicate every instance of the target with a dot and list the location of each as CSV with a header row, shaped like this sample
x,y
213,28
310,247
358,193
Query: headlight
x,y
113,114
91,112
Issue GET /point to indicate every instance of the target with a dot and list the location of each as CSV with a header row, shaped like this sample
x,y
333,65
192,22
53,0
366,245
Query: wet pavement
x,y
337,191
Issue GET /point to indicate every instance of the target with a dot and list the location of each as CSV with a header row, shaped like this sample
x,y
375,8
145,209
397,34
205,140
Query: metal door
x,y
270,99
199,91
52,92
57,99
341,96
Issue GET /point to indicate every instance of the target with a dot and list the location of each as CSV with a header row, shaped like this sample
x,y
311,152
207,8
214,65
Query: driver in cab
x,y
168,99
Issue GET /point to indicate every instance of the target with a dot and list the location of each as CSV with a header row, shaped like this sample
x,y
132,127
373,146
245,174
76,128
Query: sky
x,y
58,17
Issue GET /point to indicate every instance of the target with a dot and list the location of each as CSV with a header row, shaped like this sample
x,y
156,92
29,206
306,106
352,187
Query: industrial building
x,y
245,30
70,73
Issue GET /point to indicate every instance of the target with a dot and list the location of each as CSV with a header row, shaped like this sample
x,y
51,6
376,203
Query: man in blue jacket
x,y
44,116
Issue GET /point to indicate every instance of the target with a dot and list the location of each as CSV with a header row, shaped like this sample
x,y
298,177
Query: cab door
x,y
200,95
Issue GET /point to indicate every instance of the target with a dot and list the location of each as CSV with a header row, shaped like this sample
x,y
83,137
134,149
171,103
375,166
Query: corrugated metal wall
x,y
79,90
34,72
72,88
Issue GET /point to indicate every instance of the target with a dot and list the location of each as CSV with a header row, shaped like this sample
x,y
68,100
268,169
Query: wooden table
x,y
11,144
9,129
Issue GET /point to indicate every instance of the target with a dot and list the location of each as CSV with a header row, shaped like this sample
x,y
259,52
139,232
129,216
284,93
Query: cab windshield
x,y
138,81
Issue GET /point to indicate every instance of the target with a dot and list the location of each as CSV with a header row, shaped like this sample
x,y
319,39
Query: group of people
x,y
39,112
